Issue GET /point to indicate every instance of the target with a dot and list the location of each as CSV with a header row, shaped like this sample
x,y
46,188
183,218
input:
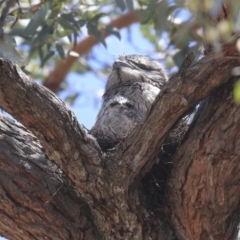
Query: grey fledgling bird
x,y
133,84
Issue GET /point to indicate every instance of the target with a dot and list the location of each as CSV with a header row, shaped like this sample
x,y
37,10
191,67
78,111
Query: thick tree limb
x,y
63,138
204,188
75,152
35,199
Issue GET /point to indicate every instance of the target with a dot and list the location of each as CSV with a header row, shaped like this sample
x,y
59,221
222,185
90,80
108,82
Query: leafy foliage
x,y
47,30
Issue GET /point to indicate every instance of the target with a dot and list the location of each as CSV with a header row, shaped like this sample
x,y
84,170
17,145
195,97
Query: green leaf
x,y
93,30
236,92
45,32
97,17
71,98
58,5
49,46
70,38
81,22
169,62
60,51
18,32
129,4
67,25
48,56
121,4
63,33
113,31
40,51
103,43
36,21
9,19
147,33
157,13
70,18
75,37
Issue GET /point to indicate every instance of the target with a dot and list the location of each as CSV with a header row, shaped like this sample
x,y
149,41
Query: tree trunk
x,y
204,190
59,184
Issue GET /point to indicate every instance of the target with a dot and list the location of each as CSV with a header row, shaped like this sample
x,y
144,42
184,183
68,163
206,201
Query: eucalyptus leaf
x,y
10,19
71,98
60,51
66,24
40,51
18,32
47,57
98,16
130,4
121,4
70,18
113,31
49,46
81,22
93,30
45,32
36,21
63,33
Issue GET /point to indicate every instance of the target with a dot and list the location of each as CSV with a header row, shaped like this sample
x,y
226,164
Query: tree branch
x,y
204,188
177,98
105,189
35,198
42,112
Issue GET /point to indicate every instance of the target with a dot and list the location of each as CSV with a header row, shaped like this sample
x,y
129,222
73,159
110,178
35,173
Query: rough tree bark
x,y
59,185
36,201
204,189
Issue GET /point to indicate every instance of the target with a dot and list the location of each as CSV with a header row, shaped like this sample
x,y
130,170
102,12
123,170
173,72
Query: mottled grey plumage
x,y
133,85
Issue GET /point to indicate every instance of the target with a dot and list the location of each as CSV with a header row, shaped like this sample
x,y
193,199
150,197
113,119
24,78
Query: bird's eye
x,y
129,105
143,66
113,104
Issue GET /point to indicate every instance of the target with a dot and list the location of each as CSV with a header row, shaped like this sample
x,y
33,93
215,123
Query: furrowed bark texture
x,y
36,201
107,182
204,190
